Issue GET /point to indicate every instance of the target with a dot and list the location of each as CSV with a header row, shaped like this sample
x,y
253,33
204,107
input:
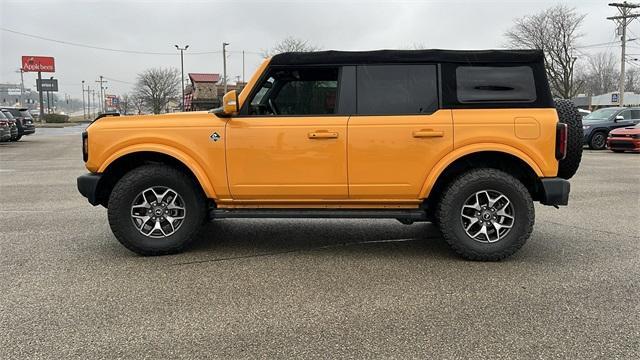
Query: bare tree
x,y
157,87
126,104
555,31
601,74
290,44
632,81
138,104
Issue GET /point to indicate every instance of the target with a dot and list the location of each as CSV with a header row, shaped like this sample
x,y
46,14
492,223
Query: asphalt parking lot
x,y
312,288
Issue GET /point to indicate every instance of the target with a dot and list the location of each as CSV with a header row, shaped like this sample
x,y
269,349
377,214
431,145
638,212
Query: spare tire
x,y
568,114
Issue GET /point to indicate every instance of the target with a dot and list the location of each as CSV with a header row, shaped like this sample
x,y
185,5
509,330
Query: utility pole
x,y
21,86
182,70
224,65
623,20
84,113
101,94
242,66
40,98
93,94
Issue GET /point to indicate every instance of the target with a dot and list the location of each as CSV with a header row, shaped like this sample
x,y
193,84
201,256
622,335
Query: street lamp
x,y
224,65
182,69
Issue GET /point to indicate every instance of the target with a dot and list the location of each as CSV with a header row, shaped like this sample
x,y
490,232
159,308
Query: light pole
x,y
182,69
224,65
84,113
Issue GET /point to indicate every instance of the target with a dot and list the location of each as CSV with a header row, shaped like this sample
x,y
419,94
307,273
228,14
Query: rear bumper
x,y
88,187
555,191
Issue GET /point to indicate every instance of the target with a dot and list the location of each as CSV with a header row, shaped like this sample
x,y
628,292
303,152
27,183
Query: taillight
x,y
85,146
562,133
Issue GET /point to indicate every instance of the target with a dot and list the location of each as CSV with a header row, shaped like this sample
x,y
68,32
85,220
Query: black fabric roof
x,y
408,56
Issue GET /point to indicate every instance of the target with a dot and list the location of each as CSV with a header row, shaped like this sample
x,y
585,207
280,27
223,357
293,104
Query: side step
x,y
404,215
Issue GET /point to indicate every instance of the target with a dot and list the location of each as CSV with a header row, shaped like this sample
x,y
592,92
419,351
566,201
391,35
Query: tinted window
x,y
2,117
495,84
397,89
297,91
15,112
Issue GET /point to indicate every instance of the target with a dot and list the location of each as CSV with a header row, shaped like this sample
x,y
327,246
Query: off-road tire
x,y
459,190
139,179
568,114
599,146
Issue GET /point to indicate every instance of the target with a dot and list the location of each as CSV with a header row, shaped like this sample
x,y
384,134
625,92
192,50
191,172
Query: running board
x,y
409,215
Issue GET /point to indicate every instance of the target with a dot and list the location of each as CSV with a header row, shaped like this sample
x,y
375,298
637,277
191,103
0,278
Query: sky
x,y
252,26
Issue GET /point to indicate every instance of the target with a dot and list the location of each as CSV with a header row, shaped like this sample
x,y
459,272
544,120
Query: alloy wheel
x,y
158,212
487,216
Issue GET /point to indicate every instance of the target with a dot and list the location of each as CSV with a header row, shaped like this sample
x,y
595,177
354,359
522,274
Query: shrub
x,y
56,118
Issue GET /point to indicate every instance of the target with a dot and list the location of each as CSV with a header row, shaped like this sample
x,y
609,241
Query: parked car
x,y
24,121
584,112
465,139
5,130
13,125
624,139
596,126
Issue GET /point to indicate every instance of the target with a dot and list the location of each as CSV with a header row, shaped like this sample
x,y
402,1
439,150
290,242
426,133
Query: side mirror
x,y
230,103
618,118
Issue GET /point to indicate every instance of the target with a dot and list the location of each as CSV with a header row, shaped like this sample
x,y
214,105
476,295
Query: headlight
x,y
585,127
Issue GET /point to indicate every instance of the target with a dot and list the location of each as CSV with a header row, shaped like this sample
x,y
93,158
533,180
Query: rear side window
x,y
396,89
477,84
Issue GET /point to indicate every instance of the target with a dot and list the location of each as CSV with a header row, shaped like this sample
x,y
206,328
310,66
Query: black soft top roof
x,y
408,56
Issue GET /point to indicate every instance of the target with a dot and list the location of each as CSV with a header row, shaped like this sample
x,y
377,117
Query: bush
x,y
56,118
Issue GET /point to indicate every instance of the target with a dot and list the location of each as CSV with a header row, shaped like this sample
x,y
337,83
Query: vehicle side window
x,y
396,89
635,114
297,91
626,114
477,84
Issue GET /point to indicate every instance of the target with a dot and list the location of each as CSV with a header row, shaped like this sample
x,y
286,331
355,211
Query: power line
x,y
125,51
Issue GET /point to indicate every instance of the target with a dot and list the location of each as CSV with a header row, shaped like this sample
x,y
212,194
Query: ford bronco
x,y
465,139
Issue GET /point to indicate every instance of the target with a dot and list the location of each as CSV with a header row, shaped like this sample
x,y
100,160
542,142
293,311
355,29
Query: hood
x,y
630,130
177,120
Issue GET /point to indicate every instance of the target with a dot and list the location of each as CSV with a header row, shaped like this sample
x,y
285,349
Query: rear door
x,y
398,133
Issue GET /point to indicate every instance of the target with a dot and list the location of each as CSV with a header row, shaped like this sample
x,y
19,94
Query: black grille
x,y
621,144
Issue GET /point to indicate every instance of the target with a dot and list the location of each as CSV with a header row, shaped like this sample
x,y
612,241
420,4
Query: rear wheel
x,y
486,215
598,141
156,210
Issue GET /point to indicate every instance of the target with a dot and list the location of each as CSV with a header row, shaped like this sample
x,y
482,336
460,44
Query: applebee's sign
x,y
38,64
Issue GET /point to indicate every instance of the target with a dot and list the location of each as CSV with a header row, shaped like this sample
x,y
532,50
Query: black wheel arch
x,y
118,168
508,163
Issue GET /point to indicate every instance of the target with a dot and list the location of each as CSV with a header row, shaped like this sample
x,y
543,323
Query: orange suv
x,y
465,139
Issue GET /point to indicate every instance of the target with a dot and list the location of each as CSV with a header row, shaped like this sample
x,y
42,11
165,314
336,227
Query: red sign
x,y
38,63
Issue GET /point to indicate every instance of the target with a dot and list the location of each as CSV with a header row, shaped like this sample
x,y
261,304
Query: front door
x,y
289,143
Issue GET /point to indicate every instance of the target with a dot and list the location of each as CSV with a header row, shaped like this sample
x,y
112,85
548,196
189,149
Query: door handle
x,y
322,135
427,133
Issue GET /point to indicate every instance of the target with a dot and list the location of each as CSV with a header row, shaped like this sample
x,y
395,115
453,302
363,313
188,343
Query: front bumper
x,y
623,144
88,187
555,191
28,129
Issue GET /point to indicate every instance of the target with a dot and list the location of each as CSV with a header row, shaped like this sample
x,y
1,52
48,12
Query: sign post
x,y
39,64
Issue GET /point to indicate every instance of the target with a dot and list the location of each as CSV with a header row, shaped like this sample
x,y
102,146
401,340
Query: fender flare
x,y
185,159
458,153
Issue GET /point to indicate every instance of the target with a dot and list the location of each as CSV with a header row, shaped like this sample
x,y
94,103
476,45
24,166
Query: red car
x,y
624,139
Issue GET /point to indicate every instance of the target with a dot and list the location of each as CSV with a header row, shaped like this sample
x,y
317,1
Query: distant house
x,y
202,92
205,91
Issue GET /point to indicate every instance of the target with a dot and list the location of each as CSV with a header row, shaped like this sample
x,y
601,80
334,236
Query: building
x,y
606,100
205,91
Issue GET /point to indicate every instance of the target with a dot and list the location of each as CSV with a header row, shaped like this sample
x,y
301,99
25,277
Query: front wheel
x,y
598,141
486,215
156,210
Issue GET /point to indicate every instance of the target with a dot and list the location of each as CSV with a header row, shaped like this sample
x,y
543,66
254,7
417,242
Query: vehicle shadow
x,y
244,238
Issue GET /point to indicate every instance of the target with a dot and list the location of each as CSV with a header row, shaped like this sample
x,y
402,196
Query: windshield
x,y
602,114
8,115
25,114
2,117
